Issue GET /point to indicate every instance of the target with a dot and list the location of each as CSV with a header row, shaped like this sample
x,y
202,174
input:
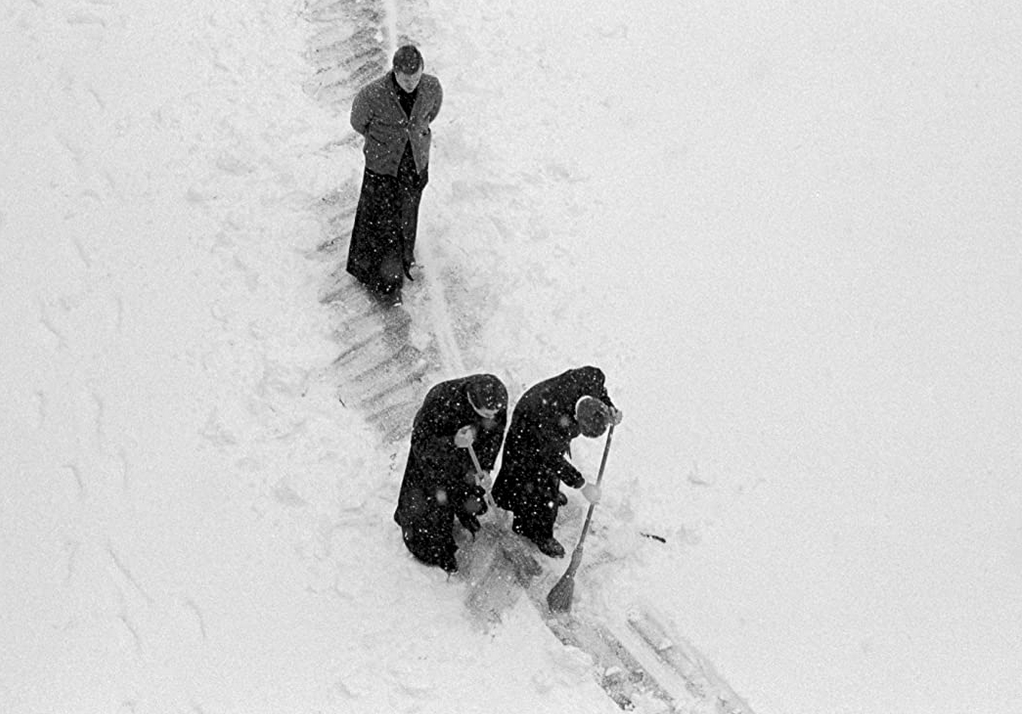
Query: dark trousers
x,y
536,521
534,499
386,222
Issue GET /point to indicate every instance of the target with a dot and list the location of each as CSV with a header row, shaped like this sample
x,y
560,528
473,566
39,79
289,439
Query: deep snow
x,y
790,235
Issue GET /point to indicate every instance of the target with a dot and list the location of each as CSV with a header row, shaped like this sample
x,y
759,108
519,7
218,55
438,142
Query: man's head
x,y
487,395
592,416
408,66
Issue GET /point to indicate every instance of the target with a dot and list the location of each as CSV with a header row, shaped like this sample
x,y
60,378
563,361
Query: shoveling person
x,y
460,422
393,114
545,421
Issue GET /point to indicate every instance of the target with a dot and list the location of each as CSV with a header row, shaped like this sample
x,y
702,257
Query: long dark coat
x,y
382,245
533,466
396,150
439,476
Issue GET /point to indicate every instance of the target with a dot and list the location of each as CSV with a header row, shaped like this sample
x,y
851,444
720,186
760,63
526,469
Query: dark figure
x,y
545,420
393,114
440,484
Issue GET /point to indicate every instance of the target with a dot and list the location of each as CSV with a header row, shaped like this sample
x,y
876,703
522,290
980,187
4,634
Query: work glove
x,y
465,437
592,493
475,501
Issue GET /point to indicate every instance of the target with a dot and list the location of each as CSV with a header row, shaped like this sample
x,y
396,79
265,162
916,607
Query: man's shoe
x,y
550,547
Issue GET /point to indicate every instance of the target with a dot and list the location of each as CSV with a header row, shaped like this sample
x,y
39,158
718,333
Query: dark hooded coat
x,y
440,477
534,463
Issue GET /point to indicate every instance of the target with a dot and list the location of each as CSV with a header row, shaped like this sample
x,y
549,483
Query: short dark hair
x,y
407,60
592,416
486,391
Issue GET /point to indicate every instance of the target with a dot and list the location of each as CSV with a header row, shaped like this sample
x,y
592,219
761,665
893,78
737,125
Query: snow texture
x,y
789,233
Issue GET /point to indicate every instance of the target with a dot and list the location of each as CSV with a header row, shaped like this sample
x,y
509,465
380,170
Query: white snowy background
x,y
790,233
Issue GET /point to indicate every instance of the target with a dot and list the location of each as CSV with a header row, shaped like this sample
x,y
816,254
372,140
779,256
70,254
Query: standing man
x,y
545,420
393,114
459,421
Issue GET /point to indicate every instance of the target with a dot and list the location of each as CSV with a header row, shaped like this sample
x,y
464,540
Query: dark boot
x,y
547,545
388,296
550,547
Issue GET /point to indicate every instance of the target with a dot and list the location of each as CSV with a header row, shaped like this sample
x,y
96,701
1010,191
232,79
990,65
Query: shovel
x,y
559,597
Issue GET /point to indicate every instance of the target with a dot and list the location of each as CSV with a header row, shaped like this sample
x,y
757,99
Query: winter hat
x,y
592,416
407,60
486,391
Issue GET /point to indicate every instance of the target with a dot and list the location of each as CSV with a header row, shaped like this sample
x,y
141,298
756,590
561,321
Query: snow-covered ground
x,y
790,235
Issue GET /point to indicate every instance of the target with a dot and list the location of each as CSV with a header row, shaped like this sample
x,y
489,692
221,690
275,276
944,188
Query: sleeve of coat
x,y
488,444
569,474
594,383
435,109
459,493
439,454
361,113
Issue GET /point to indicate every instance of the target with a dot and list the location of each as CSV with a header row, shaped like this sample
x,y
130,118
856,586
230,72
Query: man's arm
x,y
361,114
435,109
568,474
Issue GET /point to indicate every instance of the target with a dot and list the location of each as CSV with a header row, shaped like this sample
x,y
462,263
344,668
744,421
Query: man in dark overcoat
x,y
393,114
545,421
457,418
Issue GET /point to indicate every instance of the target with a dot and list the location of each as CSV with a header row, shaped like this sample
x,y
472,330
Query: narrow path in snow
x,y
388,358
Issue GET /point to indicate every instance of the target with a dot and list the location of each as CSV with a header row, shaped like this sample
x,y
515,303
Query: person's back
x,y
543,420
543,424
460,420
